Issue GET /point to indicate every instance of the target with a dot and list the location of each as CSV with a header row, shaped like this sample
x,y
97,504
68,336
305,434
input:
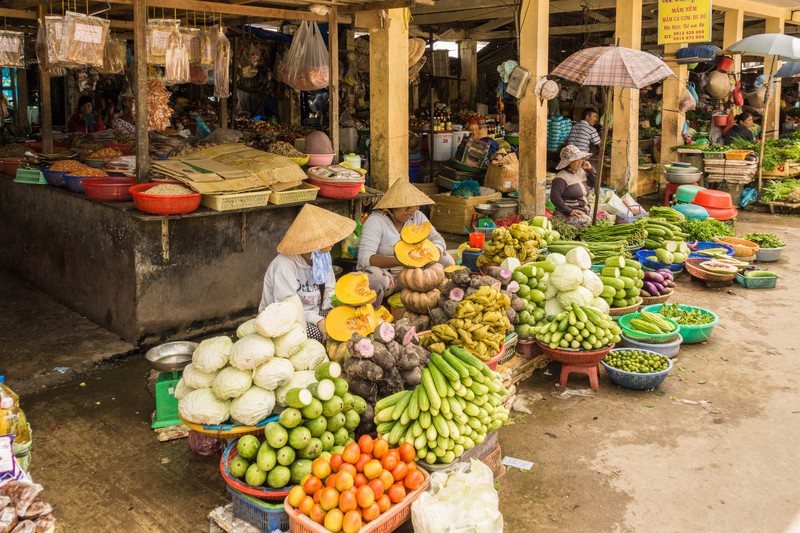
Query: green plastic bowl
x,y
691,334
653,338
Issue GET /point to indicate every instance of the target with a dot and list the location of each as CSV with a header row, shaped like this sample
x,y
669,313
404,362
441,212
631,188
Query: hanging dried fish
x,y
191,39
158,32
84,39
208,44
177,60
12,49
158,110
222,63
114,57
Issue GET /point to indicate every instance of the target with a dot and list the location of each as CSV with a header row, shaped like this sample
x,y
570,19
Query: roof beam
x,y
463,16
756,9
262,13
491,25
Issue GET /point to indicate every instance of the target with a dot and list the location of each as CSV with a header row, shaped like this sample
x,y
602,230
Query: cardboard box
x,y
451,214
503,175
431,189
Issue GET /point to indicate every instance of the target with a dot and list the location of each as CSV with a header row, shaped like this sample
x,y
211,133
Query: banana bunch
x,y
519,240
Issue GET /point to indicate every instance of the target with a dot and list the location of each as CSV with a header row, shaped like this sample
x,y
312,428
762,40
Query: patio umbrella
x,y
609,67
775,47
790,69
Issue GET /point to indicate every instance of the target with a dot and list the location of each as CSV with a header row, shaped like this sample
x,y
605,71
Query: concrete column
x,y
733,32
625,141
533,55
140,93
333,81
772,115
671,119
468,54
388,95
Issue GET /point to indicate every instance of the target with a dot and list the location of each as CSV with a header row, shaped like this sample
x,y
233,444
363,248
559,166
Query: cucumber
x,y
448,371
384,415
439,381
456,364
629,272
323,389
616,262
627,282
383,403
384,428
424,403
609,272
430,389
612,282
424,419
401,405
608,291
413,405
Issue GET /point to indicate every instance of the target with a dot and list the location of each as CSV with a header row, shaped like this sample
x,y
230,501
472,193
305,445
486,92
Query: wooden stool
x,y
669,191
589,370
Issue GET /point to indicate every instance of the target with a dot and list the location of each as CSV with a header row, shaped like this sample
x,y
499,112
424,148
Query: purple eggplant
x,y
667,275
650,287
653,276
644,294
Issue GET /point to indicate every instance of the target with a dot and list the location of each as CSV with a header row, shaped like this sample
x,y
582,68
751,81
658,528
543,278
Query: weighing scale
x,y
486,221
170,358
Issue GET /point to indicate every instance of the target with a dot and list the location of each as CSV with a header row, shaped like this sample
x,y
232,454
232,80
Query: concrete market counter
x,y
147,278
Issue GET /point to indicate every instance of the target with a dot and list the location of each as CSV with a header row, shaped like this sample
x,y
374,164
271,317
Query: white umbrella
x,y
775,47
789,69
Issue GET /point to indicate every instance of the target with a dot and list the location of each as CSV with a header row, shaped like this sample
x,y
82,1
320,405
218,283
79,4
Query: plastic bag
x,y
306,63
222,65
198,74
158,32
693,92
12,49
687,102
177,60
84,39
208,43
460,501
114,57
191,40
205,445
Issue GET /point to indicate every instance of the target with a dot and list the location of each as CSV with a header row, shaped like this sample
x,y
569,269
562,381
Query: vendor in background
x,y
85,120
569,191
304,267
742,128
584,134
398,208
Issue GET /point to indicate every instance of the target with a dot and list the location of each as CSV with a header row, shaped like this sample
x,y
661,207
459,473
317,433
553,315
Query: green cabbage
x,y
290,343
600,304
212,354
250,351
556,259
273,373
201,406
566,277
197,379
276,319
246,328
579,257
592,282
310,355
253,406
552,307
231,382
580,296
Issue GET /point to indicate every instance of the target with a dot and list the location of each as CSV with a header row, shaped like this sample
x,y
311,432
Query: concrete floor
x,y
713,449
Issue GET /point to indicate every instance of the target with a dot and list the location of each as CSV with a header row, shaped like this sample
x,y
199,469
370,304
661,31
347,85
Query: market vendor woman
x,y
303,265
85,120
570,189
398,208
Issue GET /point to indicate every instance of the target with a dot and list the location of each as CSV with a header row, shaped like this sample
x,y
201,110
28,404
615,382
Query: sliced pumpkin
x,y
343,321
416,255
413,234
353,289
453,268
384,315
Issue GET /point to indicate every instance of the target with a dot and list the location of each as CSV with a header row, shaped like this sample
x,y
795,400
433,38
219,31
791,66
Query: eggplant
x,y
650,287
666,274
653,276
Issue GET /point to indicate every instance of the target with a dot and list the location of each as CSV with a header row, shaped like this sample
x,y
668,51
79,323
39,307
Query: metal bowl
x,y
171,355
683,178
486,209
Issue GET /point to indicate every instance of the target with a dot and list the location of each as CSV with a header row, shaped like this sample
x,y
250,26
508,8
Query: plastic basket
x,y
574,357
162,204
304,193
264,516
229,202
695,270
713,155
469,260
494,361
386,522
634,380
642,256
55,177
510,347
487,232
670,349
757,283
262,493
692,334
229,430
768,255
29,176
705,245
656,338
737,155
741,247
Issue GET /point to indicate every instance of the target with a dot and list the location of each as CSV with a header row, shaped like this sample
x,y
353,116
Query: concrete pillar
x,y
533,55
671,119
388,95
772,115
333,81
733,32
625,141
468,54
140,93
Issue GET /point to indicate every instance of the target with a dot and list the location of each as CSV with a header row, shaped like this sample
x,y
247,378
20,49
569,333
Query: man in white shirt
x,y
584,134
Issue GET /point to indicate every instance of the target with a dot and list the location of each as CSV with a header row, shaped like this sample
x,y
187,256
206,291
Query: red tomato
x,y
371,513
366,444
351,453
379,448
384,503
400,471
413,480
396,492
407,452
362,460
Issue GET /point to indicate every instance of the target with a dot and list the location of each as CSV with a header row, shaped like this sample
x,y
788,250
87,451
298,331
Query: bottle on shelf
x,y
12,418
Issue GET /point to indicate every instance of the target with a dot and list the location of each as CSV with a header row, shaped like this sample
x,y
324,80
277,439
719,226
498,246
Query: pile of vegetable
x,y
685,317
318,419
657,283
544,227
349,489
622,282
671,253
572,282
532,280
422,274
353,313
667,213
781,191
478,323
765,240
245,380
776,151
637,361
457,404
705,230
633,234
579,327
651,323
598,251
520,241
659,231
461,284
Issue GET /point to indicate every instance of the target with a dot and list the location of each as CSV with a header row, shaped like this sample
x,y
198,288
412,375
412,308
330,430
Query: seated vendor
x,y
743,128
570,189
398,208
303,265
85,120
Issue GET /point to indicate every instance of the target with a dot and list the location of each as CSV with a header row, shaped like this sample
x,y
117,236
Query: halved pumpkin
x,y
384,315
416,255
453,268
343,321
353,289
412,234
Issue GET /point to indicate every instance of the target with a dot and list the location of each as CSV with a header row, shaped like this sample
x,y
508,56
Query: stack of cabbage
x,y
571,282
246,379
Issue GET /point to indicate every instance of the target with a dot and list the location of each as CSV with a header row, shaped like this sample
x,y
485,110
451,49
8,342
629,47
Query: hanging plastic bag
x,y
306,63
208,43
687,102
222,65
191,40
158,32
12,49
198,74
114,57
84,39
459,502
177,60
693,92
738,99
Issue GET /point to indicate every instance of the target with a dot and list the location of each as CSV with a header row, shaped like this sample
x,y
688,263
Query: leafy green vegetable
x,y
779,190
765,240
776,151
704,230
685,317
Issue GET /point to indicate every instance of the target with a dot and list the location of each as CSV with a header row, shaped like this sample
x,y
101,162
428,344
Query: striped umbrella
x,y
613,66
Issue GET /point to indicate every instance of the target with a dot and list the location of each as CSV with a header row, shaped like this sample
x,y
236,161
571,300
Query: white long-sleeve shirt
x,y
378,236
291,274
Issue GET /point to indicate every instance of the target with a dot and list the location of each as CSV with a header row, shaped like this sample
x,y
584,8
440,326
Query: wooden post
x,y
733,31
21,117
468,54
533,55
140,92
388,68
45,104
672,119
625,141
235,79
772,114
333,82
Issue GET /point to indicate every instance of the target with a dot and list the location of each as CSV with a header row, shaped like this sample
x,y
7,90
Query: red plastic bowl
x,y
108,189
11,164
722,214
575,357
340,191
163,205
712,198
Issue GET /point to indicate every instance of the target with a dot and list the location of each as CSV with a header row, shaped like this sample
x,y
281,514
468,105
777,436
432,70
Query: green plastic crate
x,y
30,176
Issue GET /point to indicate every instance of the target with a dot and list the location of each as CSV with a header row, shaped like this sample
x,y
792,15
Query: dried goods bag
x,y
222,65
12,49
306,63
84,39
114,57
158,32
177,62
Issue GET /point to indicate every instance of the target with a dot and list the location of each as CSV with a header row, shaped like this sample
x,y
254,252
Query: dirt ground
x,y
713,449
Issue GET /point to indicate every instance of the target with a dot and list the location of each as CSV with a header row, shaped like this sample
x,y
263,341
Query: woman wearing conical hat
x,y
398,208
303,265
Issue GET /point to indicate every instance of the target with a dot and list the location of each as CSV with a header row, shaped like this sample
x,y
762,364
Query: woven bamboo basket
x,y
651,300
741,247
693,267
619,311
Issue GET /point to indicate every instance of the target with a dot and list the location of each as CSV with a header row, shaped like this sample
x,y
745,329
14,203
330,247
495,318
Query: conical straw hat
x,y
315,228
403,194
416,49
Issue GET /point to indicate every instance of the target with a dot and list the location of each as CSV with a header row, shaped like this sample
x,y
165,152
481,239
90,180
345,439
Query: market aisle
x,y
667,461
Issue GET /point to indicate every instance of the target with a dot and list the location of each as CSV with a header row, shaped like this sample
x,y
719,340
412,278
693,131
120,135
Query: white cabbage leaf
x,y
276,320
290,343
246,328
201,406
251,350
212,354
197,379
310,355
253,406
231,382
273,373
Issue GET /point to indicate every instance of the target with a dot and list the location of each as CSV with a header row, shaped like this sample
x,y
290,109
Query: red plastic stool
x,y
589,370
669,191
